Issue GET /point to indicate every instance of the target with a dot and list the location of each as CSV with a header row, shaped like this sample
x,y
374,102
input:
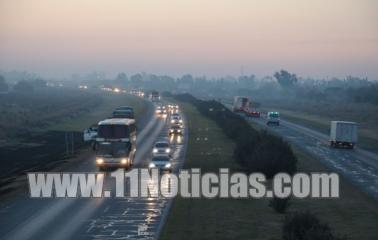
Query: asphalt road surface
x,y
357,165
97,218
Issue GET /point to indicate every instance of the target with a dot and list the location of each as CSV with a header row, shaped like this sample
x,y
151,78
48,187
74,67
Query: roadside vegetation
x,y
354,215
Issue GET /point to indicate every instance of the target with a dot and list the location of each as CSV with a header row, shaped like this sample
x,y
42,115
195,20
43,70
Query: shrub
x,y
306,226
279,204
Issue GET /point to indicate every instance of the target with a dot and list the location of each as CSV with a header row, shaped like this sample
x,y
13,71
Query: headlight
x,y
168,165
99,161
152,165
172,121
154,150
180,121
124,161
167,150
171,130
179,130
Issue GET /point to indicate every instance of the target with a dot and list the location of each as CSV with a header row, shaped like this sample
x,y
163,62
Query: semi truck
x,y
343,134
154,96
241,104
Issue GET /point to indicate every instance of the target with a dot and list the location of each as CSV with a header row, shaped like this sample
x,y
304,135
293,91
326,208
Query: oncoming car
x,y
176,119
175,129
161,162
161,148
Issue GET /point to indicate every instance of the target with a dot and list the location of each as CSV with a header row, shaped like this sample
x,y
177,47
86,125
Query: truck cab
x,y
273,118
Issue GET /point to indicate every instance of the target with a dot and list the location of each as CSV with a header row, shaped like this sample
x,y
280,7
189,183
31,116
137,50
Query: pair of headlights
x,y
167,165
101,161
155,150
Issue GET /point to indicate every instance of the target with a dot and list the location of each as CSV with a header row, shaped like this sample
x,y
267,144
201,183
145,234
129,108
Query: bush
x,y
279,204
306,226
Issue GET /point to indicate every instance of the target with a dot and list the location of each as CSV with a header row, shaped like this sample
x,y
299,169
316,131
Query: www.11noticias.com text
x,y
141,182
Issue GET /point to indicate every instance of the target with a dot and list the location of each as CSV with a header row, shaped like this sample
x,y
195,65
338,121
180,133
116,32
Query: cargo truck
x,y
343,134
240,104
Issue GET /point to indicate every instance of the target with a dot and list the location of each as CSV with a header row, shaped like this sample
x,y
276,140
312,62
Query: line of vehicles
x,y
342,133
162,152
114,139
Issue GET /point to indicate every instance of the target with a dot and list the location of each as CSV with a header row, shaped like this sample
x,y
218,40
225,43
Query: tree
x,y
23,86
121,77
286,79
136,80
306,226
3,85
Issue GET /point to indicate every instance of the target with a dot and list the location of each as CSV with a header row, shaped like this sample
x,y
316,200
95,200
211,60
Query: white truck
x,y
241,104
343,134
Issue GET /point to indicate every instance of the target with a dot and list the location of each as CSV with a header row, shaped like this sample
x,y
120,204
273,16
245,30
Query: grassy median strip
x,y
353,215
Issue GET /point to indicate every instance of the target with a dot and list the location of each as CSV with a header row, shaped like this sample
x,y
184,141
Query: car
x,y
162,163
173,108
161,110
176,119
161,148
175,129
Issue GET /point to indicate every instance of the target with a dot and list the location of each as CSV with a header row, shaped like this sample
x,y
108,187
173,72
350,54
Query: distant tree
x,y
122,77
136,80
286,79
23,86
3,85
187,78
247,81
39,83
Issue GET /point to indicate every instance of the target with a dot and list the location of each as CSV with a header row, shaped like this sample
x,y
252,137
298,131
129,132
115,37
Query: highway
x,y
97,218
357,165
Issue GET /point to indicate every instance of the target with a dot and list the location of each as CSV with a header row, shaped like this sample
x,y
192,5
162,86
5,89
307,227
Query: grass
x,y
109,102
354,214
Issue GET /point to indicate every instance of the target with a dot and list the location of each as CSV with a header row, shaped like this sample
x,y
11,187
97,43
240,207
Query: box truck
x,y
240,104
343,134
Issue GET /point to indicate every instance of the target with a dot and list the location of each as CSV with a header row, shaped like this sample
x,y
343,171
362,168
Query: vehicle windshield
x,y
175,127
274,115
116,149
113,131
160,159
161,145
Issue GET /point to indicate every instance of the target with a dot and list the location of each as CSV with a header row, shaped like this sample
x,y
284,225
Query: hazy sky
x,y
214,37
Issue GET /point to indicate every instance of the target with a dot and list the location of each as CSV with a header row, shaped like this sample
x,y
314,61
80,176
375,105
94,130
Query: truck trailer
x,y
241,104
343,134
